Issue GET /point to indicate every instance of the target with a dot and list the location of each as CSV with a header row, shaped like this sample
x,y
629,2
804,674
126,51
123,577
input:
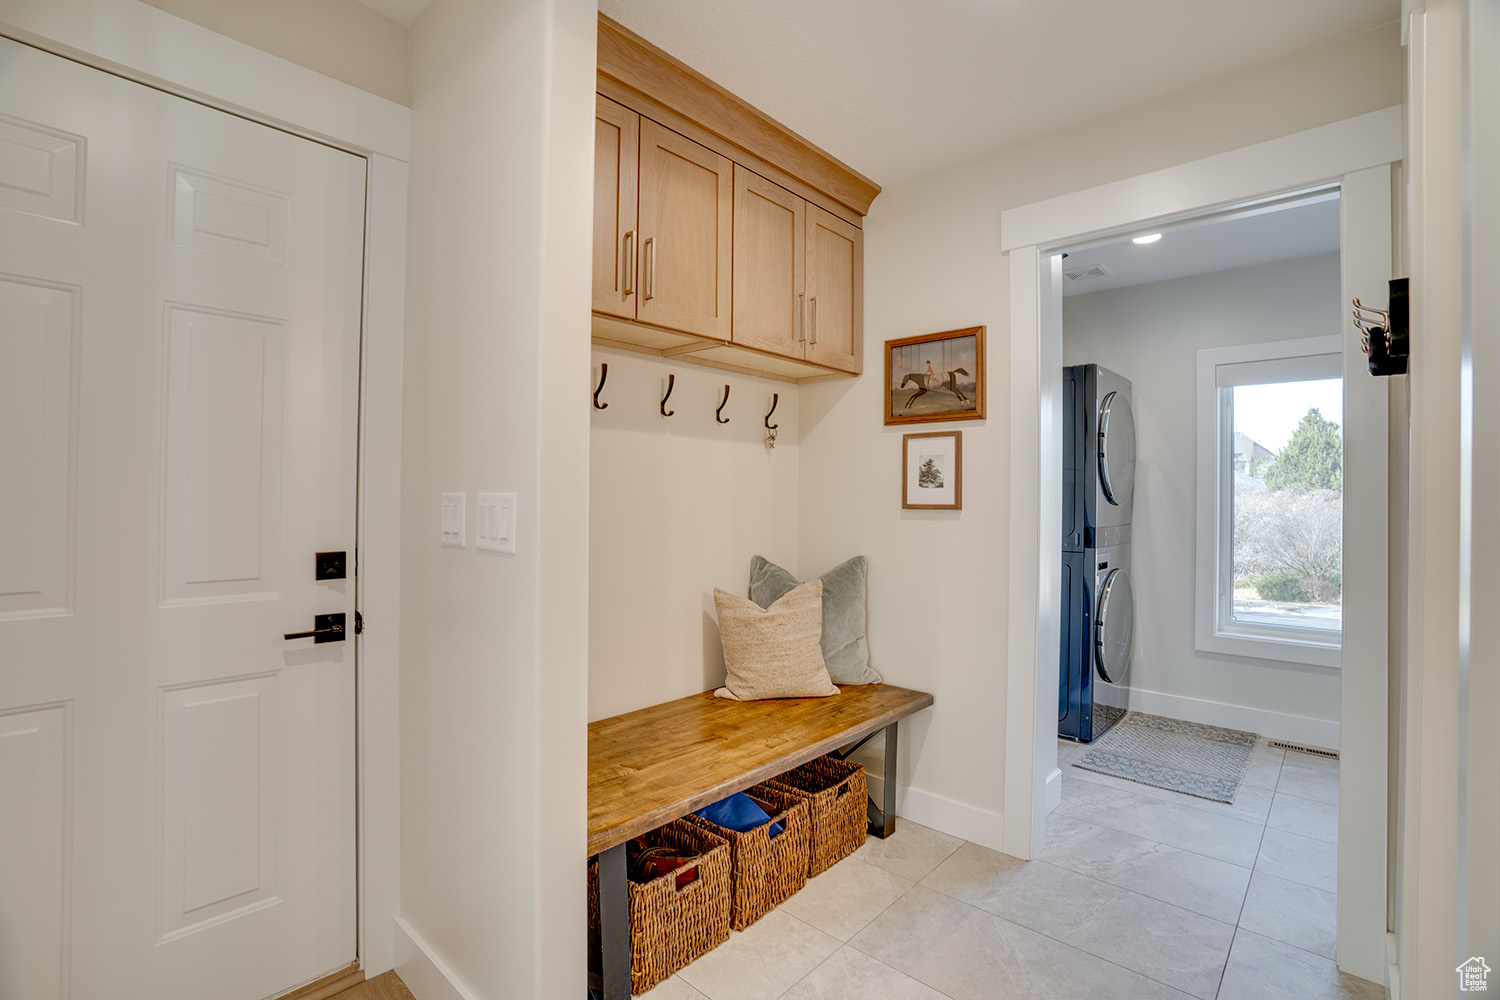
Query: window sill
x,y
1265,647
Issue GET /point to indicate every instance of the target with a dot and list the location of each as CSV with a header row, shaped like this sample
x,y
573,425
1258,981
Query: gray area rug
x,y
1186,757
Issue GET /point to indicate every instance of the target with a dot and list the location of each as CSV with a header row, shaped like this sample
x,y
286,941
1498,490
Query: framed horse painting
x,y
937,376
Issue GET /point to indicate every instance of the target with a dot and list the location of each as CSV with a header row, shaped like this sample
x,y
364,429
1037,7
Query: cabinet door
x,y
770,233
686,248
616,162
835,292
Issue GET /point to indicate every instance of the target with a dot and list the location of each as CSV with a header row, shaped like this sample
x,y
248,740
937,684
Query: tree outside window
x,y
1288,514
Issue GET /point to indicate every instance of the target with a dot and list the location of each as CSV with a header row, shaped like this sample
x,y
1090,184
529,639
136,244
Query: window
x,y
1271,501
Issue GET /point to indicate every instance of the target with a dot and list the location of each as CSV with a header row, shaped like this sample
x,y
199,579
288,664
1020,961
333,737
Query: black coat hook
x,y
719,419
671,382
775,398
603,374
1387,337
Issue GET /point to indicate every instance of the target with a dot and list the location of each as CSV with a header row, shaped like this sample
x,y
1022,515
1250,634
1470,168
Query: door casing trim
x,y
146,45
1292,162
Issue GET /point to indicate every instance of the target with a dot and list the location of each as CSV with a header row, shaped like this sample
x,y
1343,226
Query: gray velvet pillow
x,y
845,650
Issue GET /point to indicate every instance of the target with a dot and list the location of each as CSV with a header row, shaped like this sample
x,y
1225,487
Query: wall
x,y
1151,334
494,665
677,506
933,262
1433,767
1448,906
343,39
1480,870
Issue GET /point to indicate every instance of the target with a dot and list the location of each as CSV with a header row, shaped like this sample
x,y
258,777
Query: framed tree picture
x,y
932,471
937,376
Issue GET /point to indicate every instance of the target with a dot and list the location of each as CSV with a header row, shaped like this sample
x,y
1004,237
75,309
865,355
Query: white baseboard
x,y
1274,725
422,970
1392,973
1054,789
957,819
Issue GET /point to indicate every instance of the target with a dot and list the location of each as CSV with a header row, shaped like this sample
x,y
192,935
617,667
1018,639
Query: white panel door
x,y
179,357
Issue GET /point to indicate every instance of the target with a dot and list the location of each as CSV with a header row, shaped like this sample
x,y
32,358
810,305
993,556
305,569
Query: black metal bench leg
x,y
614,924
882,818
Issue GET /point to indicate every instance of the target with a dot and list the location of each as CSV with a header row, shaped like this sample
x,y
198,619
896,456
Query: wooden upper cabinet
x,y
770,234
721,237
685,215
616,165
835,292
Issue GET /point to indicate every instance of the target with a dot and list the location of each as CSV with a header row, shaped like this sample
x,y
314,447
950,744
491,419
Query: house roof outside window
x,y
1248,453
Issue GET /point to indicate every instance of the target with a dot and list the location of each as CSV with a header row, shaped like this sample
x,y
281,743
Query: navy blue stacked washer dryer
x,y
1098,607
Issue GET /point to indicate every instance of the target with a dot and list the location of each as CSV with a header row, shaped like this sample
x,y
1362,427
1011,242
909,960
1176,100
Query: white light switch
x,y
454,519
496,528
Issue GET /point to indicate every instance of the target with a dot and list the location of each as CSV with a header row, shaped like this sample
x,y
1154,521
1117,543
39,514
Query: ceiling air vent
x,y
1086,272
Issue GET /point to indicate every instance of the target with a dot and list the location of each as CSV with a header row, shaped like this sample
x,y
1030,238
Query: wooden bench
x,y
649,767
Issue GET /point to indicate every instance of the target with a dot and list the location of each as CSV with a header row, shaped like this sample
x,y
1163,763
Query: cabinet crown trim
x,y
634,63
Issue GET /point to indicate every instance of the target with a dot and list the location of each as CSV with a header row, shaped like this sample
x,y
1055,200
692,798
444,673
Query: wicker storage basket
x,y
669,927
835,790
766,870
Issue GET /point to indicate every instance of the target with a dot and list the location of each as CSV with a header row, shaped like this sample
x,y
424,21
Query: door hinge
x,y
359,623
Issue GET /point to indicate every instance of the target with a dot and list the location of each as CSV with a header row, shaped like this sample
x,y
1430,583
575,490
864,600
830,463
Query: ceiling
x,y
1206,247
403,12
895,88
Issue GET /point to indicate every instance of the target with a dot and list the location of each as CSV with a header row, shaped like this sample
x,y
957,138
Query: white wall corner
x,y
380,557
957,819
1392,972
1054,789
1023,829
423,971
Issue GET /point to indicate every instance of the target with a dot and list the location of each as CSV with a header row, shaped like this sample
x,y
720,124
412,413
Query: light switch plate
x,y
454,519
495,530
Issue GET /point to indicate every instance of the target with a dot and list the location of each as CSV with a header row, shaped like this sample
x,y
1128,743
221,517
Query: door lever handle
x,y
326,628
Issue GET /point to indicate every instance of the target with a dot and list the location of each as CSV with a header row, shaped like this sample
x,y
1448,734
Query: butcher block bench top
x,y
649,767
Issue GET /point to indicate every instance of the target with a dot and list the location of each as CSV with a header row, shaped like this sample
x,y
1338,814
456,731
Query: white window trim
x,y
1214,484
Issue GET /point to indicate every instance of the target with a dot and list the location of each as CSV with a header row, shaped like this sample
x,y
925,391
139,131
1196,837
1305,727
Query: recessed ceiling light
x,y
1143,240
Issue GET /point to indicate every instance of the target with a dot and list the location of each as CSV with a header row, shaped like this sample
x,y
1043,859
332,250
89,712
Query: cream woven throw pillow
x,y
776,652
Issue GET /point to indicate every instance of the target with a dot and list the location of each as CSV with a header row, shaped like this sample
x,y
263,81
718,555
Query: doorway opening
x,y
1355,157
1201,565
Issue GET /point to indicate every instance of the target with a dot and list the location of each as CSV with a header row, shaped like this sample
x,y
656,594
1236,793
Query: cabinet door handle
x,y
813,305
650,250
801,319
630,263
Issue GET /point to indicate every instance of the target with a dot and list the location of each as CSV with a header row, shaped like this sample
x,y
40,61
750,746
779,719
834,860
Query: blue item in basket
x,y
738,812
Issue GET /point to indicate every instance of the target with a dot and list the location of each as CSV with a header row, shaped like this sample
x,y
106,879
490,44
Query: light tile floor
x,y
1139,894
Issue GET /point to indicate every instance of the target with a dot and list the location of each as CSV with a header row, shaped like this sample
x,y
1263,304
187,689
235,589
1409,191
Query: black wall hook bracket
x,y
718,418
671,383
603,375
775,398
1387,333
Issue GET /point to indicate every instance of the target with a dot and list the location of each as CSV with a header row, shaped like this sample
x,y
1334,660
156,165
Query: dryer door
x,y
1116,448
1114,628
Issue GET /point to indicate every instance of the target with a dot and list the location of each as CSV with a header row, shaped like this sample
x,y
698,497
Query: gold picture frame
x,y
927,378
932,471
